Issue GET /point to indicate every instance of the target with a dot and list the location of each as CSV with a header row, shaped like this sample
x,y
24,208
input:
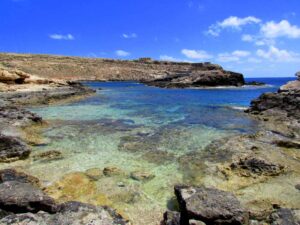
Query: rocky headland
x,y
152,72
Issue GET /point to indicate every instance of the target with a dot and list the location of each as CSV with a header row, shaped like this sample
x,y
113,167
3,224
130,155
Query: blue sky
x,y
255,37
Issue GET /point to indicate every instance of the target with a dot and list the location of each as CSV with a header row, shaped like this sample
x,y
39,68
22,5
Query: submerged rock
x,y
210,206
171,218
112,171
141,176
48,156
94,173
257,166
12,149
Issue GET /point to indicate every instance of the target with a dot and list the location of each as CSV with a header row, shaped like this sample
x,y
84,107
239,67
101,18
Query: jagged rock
x,y
13,175
210,206
19,197
257,166
141,176
284,216
12,149
75,213
255,83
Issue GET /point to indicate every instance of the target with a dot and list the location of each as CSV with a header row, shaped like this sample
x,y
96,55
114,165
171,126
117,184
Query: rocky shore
x,y
250,179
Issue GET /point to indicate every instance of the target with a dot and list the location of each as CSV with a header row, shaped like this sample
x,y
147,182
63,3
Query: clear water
x,y
139,128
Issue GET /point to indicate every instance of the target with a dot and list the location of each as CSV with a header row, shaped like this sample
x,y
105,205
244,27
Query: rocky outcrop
x,y
21,202
203,77
12,149
286,100
206,205
153,72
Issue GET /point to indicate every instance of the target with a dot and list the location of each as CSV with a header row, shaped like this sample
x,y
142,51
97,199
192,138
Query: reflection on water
x,y
148,139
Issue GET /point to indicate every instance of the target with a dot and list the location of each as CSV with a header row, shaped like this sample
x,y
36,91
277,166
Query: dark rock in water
x,y
287,144
49,155
171,218
201,77
112,171
12,149
13,175
297,186
70,213
257,166
18,197
255,83
210,206
284,216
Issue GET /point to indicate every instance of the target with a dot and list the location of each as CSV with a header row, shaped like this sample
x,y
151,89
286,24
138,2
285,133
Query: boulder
x,y
13,175
12,149
285,216
209,205
19,197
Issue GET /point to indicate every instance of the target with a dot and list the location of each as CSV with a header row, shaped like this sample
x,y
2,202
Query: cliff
x,y
158,73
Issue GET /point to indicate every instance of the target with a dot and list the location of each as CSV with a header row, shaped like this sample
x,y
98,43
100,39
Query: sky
x,y
259,38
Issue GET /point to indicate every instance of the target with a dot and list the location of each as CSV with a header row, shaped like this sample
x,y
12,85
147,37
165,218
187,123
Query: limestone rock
x,y
210,206
19,197
12,149
284,216
13,175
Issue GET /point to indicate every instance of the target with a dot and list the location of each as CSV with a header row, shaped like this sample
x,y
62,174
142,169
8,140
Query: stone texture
x,y
209,205
284,216
12,149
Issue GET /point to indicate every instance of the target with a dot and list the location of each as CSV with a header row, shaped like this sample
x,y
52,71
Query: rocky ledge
x,y
23,202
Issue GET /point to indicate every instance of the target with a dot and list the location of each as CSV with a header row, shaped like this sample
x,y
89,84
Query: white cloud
x,y
196,54
122,53
128,36
67,37
279,55
282,29
234,56
168,58
247,38
232,22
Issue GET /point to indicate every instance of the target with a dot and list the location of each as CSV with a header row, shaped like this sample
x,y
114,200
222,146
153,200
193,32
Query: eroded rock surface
x,y
209,205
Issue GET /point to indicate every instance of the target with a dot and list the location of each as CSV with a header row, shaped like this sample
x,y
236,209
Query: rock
x,y
195,222
171,218
284,216
70,213
94,173
141,176
209,205
257,166
12,149
287,144
112,171
255,83
297,186
200,78
48,156
18,197
13,175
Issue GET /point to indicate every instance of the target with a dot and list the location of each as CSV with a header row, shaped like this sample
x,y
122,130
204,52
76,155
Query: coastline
x,y
246,163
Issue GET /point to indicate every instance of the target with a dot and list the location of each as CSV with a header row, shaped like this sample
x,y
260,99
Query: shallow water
x,y
139,128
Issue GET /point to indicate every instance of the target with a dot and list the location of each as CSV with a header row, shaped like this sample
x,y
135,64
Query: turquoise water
x,y
162,132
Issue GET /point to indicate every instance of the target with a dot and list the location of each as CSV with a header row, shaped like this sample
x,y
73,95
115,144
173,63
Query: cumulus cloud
x,y
67,37
122,53
196,54
234,56
232,22
282,29
278,55
128,36
169,58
